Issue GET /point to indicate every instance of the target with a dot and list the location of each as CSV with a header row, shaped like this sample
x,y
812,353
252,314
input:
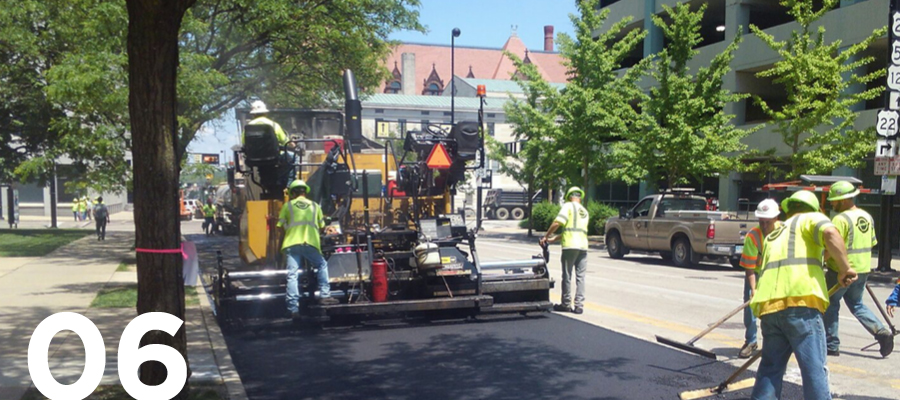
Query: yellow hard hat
x,y
802,196
574,189
297,184
842,190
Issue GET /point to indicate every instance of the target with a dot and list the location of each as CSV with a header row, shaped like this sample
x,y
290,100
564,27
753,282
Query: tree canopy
x,y
816,123
70,56
683,131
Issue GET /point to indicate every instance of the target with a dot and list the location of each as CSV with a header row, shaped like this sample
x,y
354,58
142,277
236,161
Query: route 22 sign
x,y
887,123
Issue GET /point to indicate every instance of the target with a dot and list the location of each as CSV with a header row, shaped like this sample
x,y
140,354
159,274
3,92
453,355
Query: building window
x,y
447,113
426,113
434,84
379,111
490,129
432,90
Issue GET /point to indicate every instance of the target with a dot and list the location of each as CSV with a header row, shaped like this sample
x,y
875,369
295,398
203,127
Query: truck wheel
x,y
614,245
502,213
736,263
666,255
682,253
518,213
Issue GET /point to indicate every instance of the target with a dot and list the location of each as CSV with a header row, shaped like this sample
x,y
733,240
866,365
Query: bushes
x,y
544,213
599,213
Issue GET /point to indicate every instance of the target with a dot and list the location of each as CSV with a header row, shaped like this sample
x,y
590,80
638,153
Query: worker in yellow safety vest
x,y
209,217
767,213
301,221
791,297
75,207
857,228
573,219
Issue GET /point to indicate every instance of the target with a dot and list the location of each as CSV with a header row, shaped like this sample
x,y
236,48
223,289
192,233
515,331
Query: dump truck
x,y
679,227
504,204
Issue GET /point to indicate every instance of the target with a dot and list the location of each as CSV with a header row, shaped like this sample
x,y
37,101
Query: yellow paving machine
x,y
393,245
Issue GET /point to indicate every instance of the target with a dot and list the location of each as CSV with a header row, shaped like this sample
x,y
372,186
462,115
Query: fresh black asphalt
x,y
545,357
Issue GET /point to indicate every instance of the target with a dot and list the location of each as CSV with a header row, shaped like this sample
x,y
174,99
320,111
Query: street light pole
x,y
453,37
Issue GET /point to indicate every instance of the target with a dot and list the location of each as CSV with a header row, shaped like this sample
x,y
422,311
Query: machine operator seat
x,y
261,147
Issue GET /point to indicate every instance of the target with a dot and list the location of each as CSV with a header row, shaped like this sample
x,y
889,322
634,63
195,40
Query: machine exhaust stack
x,y
352,110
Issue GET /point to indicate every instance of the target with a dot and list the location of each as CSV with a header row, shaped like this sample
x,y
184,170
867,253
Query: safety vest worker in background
x,y
209,217
82,208
857,228
573,219
767,213
75,207
791,297
301,220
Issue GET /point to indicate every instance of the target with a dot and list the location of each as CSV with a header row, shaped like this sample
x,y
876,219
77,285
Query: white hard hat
x,y
767,208
258,107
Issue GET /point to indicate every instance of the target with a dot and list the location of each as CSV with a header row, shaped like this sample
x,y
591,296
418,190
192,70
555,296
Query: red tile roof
x,y
485,63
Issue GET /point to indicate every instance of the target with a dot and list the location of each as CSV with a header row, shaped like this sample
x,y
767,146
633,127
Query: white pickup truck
x,y
678,227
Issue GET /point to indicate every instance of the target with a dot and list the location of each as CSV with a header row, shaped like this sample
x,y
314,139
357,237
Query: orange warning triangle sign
x,y
438,159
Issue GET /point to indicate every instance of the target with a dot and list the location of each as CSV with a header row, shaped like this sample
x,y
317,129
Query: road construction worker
x,y
857,228
101,218
88,208
301,220
209,217
75,213
767,213
573,219
791,297
82,208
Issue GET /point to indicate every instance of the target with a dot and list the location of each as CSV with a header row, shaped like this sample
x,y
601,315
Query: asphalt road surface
x,y
607,353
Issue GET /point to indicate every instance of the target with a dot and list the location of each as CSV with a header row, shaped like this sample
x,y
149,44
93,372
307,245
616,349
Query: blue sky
x,y
483,23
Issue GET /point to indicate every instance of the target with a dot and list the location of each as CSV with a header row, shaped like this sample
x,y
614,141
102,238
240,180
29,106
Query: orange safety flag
x,y
438,159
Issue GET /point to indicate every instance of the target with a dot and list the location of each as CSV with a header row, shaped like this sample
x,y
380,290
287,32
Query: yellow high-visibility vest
x,y
791,273
279,133
858,230
301,219
573,220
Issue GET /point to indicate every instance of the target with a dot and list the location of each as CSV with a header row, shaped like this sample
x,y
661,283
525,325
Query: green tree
x,y
286,52
817,121
683,131
535,128
596,105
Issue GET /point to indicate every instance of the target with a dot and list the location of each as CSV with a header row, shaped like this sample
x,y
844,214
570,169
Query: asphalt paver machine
x,y
392,243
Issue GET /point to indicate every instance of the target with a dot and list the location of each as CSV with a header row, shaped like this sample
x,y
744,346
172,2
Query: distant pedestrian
x,y
209,217
857,228
767,212
89,206
82,208
791,297
573,219
101,217
76,209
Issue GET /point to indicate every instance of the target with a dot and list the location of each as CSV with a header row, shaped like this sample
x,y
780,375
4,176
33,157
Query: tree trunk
x,y
152,68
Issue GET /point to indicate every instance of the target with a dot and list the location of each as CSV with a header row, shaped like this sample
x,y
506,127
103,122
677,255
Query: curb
x,y
230,377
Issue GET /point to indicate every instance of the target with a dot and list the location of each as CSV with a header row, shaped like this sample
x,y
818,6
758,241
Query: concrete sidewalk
x,y
68,280
120,221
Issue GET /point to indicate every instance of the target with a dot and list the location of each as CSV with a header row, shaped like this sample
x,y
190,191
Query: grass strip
x,y
126,297
36,242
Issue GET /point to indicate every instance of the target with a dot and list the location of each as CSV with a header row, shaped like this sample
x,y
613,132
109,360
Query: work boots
x,y
886,342
328,301
747,350
562,308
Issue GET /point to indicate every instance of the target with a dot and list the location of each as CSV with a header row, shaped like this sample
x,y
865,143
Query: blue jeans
x,y
749,320
293,256
853,297
797,330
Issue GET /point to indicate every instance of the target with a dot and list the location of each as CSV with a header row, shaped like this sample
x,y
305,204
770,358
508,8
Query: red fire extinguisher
x,y
379,280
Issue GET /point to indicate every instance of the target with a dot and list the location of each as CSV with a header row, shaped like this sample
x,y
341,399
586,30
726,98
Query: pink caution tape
x,y
165,251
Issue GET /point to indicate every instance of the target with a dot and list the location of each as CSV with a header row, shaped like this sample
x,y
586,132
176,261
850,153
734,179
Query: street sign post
x,y
892,98
894,77
894,167
889,185
882,165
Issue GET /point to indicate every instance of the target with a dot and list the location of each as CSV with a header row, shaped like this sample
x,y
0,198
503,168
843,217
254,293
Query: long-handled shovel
x,y
689,345
728,385
883,315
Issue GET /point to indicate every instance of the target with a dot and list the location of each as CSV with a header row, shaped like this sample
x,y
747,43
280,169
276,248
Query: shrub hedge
x,y
544,213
